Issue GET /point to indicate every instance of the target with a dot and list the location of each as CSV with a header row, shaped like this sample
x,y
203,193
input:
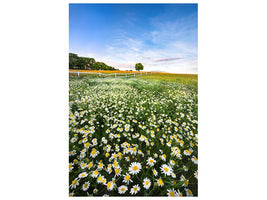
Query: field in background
x,y
191,80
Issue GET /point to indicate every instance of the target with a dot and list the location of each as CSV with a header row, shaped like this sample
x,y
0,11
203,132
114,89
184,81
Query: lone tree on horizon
x,y
139,66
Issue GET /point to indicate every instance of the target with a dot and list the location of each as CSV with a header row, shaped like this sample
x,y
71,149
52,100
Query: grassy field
x,y
133,136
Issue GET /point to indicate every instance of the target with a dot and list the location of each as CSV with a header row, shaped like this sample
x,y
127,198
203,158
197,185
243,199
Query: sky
x,y
163,37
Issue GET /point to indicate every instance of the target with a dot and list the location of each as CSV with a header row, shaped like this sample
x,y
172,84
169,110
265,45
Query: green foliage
x,y
139,66
76,62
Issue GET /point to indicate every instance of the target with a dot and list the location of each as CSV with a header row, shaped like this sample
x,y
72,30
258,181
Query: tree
x,y
139,66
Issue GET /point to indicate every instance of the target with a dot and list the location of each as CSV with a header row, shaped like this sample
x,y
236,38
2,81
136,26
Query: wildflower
x,y
185,168
70,166
83,175
127,178
160,182
110,186
74,183
155,172
122,189
146,183
90,165
188,192
135,189
172,162
117,171
172,193
163,157
86,186
83,165
151,161
135,168
194,159
179,194
167,170
95,174
196,174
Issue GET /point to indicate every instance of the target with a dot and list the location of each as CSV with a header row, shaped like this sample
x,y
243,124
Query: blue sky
x,y
161,36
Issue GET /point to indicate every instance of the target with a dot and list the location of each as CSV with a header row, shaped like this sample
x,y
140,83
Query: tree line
x,y
76,62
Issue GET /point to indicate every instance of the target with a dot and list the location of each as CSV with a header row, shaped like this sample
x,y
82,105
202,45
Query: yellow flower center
x,y
160,182
117,171
109,185
172,193
95,172
151,161
100,165
127,177
122,189
90,165
147,183
74,182
85,185
83,175
70,165
166,169
135,168
180,195
135,189
189,192
99,178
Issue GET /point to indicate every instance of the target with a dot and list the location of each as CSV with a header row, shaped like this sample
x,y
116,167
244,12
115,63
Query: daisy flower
x,y
83,165
110,186
86,186
155,172
135,189
172,193
122,189
188,192
196,174
83,175
172,162
163,157
151,161
135,168
179,194
166,170
95,174
160,182
99,179
194,159
70,166
146,183
127,178
74,183
187,153
117,171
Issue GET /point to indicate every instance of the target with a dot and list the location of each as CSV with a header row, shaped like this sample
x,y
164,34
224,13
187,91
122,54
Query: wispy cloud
x,y
166,59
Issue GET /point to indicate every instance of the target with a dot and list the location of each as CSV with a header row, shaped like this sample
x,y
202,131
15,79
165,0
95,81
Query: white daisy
x,y
74,183
122,189
146,183
160,182
151,161
135,189
172,193
194,159
135,168
127,178
110,186
95,174
155,172
83,175
167,170
86,186
188,192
